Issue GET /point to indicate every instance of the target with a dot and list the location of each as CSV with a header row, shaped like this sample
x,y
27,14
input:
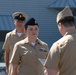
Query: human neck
x,y
20,30
32,40
68,29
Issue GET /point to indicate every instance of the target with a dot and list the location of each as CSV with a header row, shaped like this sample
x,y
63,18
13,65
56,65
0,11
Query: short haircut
x,y
67,21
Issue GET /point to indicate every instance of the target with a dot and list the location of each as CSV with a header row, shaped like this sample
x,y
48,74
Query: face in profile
x,y
32,31
61,29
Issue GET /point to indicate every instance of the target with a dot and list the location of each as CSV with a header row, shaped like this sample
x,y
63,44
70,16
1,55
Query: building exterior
x,y
36,8
44,11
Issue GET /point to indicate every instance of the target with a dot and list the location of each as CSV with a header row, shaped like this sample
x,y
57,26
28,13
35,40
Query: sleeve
x,y
6,44
52,59
47,50
15,58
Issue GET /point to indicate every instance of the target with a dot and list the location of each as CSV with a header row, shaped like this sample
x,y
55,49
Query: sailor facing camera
x,y
14,36
28,51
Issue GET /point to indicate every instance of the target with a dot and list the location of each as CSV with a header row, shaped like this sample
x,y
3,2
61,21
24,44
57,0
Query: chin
x,y
34,37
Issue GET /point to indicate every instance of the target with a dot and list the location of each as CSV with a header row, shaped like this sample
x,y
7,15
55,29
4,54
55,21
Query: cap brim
x,y
17,13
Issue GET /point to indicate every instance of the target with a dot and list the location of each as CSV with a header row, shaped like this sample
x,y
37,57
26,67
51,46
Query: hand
x,y
7,70
45,71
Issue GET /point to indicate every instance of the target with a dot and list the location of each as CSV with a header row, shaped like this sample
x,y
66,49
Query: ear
x,y
60,25
14,22
24,30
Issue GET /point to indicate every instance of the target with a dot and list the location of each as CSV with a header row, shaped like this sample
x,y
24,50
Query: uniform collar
x,y
38,40
70,32
14,32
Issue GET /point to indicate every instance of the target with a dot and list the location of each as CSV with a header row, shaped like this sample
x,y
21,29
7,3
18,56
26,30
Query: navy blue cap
x,y
31,22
